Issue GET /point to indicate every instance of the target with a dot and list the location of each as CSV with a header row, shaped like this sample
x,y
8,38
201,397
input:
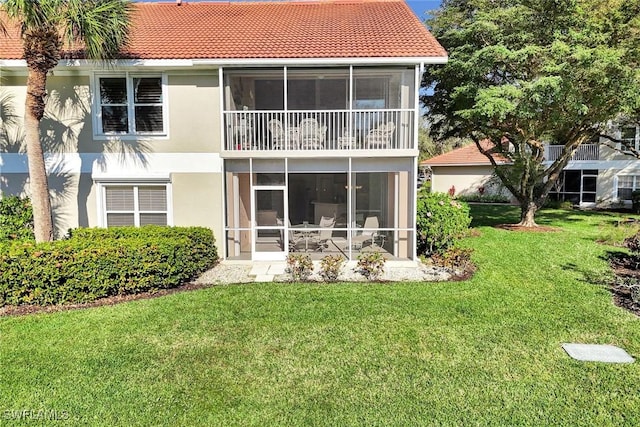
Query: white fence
x,y
319,130
584,152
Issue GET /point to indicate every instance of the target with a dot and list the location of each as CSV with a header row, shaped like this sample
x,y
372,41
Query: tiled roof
x,y
285,29
469,155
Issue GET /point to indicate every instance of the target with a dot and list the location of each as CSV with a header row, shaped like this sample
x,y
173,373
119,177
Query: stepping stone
x,y
259,269
597,353
264,278
277,268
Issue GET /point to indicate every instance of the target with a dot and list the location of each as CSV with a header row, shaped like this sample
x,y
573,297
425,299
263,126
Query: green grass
x,y
481,352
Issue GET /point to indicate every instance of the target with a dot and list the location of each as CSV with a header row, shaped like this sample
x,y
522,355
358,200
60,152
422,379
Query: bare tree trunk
x,y
42,219
527,214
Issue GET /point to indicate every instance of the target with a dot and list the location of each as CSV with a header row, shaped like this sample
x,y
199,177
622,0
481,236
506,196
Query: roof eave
x,y
218,62
404,60
461,164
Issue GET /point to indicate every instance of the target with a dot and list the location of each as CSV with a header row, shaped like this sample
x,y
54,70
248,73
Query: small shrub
x,y
558,204
454,258
483,198
299,266
16,219
330,267
370,265
441,220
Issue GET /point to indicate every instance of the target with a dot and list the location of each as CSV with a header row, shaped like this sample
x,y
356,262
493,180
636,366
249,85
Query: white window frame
x,y
635,185
98,133
102,200
636,139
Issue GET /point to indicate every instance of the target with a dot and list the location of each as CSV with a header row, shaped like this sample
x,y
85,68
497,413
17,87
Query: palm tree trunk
x,y
42,219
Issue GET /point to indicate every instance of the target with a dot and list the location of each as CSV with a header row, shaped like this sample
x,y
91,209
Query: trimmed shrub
x,y
299,266
97,263
370,265
16,219
201,250
441,220
330,267
483,198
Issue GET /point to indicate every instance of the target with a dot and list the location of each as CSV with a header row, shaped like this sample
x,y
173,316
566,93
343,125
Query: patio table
x,y
307,231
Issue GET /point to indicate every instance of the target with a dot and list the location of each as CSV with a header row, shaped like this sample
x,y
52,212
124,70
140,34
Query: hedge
x,y
97,263
16,219
440,221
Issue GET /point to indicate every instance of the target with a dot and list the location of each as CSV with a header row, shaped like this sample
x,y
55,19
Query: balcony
x,y
313,130
330,109
584,152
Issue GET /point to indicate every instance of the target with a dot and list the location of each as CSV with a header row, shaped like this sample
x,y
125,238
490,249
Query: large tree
x,y
51,29
525,73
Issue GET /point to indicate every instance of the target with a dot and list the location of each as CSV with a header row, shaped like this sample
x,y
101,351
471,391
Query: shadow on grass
x,y
489,215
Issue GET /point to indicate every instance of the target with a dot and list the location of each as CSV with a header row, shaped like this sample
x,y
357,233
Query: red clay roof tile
x,y
278,30
463,156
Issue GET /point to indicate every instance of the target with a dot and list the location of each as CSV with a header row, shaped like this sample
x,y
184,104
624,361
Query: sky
x,y
418,6
421,6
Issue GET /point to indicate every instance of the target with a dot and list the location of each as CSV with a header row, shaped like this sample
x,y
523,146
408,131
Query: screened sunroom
x,y
341,206
332,108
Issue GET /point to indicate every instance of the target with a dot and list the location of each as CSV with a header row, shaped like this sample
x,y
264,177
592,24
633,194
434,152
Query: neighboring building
x,y
597,174
241,117
464,171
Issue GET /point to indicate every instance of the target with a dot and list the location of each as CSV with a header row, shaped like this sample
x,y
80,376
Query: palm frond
x,y
101,26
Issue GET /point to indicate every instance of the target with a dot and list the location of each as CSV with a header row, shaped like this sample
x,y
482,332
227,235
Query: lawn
x,y
481,352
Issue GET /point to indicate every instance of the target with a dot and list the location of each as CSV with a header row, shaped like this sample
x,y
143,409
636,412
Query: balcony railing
x,y
319,130
584,152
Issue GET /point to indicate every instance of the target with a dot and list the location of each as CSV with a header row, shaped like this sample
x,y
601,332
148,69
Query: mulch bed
x,y
625,268
21,310
536,229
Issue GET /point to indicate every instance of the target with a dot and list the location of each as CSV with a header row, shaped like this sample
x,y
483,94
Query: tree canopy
x,y
93,29
525,73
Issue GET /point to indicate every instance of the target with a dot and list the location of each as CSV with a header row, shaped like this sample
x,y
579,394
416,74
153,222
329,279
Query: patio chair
x,y
294,237
312,135
380,137
322,238
369,233
278,139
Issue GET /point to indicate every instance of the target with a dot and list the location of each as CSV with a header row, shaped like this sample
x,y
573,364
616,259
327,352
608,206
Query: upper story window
x,y
630,136
131,105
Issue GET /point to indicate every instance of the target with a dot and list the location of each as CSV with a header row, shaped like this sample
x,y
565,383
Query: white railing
x,y
584,152
319,130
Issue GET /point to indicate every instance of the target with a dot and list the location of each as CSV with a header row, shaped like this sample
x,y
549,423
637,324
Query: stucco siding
x,y
198,201
194,114
465,179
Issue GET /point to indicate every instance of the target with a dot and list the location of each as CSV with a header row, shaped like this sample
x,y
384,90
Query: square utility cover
x,y
598,353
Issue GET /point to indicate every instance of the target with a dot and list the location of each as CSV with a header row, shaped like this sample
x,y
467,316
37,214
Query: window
x,y
626,185
131,105
135,205
629,137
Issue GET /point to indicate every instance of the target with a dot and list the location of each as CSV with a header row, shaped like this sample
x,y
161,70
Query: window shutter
x,y
149,118
152,198
148,90
113,91
153,219
119,198
120,219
